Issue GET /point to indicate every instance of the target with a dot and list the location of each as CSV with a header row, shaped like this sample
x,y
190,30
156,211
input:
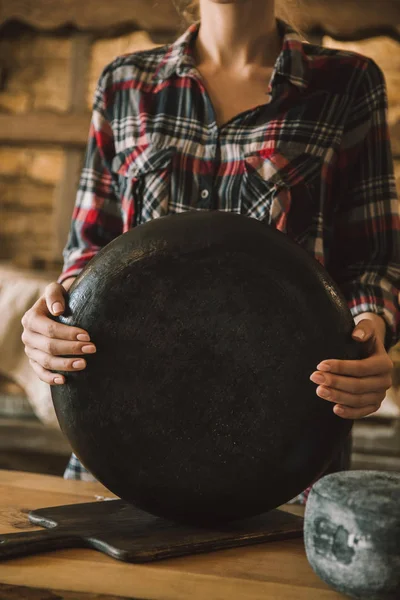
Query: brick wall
x,y
28,180
34,72
34,77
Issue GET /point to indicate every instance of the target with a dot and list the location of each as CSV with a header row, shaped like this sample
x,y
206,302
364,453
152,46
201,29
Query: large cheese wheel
x,y
352,533
197,405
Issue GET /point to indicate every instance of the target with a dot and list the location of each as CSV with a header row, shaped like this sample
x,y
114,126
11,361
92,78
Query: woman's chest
x,y
216,120
270,163
230,96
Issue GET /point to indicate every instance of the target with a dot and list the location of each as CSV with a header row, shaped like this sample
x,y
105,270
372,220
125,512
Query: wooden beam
x,y
45,128
92,15
351,19
347,19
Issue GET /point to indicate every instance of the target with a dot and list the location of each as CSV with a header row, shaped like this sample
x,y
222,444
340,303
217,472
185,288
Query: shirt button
x,y
205,194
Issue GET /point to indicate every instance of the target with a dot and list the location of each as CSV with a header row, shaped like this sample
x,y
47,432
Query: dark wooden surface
x,y
17,592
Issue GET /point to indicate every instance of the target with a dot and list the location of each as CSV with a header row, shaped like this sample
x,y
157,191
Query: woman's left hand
x,y
357,387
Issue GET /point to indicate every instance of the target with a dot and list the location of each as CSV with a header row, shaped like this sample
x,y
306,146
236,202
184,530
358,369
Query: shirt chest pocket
x,y
144,174
282,189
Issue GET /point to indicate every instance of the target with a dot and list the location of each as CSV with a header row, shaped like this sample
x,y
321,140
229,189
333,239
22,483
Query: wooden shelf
x,y
351,19
92,15
45,128
28,445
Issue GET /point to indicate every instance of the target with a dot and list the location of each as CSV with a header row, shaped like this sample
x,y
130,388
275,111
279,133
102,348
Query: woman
x,y
239,114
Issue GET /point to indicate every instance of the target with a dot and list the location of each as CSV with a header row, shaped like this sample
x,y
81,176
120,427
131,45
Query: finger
x,y
38,320
354,413
353,400
55,363
363,331
54,297
353,385
56,347
375,365
47,376
368,343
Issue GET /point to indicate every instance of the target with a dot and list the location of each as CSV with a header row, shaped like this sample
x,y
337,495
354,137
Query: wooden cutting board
x,y
129,534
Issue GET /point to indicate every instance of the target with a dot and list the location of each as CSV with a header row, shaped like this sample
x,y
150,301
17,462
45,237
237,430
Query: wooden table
x,y
275,571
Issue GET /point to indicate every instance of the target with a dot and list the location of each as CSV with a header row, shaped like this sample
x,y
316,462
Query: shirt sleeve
x,y
97,215
365,253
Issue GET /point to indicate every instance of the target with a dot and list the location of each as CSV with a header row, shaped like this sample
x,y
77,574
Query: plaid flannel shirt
x,y
314,161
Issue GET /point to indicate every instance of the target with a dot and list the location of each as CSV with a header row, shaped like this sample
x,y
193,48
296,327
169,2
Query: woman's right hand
x,y
47,341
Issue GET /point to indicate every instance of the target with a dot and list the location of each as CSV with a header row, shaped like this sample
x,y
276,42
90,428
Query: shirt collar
x,y
291,63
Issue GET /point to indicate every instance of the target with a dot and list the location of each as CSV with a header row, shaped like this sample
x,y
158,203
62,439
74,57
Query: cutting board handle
x,y
13,545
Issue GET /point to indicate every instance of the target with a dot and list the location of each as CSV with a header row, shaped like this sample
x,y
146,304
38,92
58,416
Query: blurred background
x,y
51,55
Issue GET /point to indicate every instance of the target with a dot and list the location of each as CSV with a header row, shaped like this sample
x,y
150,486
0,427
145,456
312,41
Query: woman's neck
x,y
238,34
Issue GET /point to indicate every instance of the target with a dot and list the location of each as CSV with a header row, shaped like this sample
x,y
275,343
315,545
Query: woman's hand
x,y
357,387
46,341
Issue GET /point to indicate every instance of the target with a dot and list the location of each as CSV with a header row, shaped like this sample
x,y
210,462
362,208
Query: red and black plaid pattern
x,y
314,161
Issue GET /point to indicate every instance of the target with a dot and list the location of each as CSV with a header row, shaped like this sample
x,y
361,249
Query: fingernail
x,y
318,378
323,367
89,349
83,337
338,409
78,364
359,334
58,380
57,307
324,393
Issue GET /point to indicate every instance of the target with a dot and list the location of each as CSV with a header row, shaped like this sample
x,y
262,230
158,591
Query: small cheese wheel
x,y
352,533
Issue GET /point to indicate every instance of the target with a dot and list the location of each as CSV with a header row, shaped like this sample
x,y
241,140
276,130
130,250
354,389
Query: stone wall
x,y
35,73
34,77
28,180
